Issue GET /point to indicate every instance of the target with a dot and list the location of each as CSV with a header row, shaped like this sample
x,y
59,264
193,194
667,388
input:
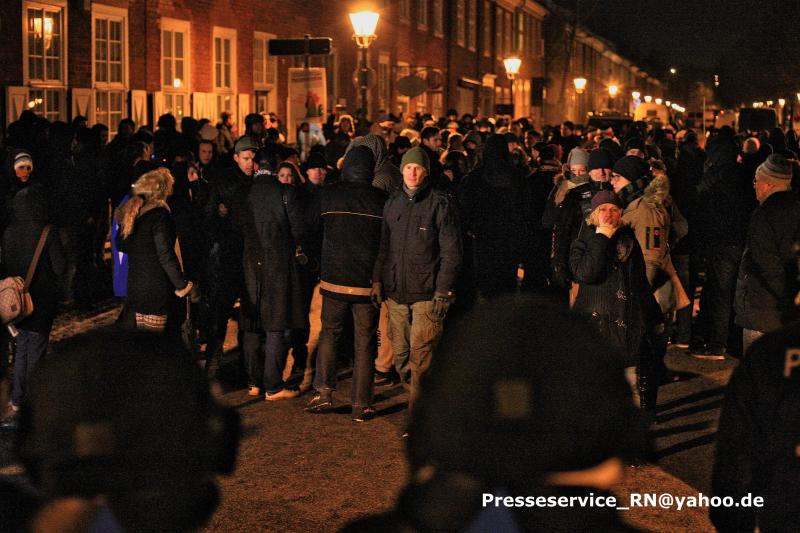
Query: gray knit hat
x,y
578,156
416,155
776,167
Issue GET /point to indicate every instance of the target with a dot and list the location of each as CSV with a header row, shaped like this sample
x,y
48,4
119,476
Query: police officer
x,y
758,442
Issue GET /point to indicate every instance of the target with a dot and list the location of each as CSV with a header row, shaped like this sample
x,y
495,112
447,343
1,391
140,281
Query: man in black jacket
x,y
351,217
417,266
767,280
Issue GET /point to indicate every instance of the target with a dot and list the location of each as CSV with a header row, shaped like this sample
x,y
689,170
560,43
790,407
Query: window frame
x,y
423,15
437,20
102,11
266,85
461,23
223,33
51,5
471,26
168,89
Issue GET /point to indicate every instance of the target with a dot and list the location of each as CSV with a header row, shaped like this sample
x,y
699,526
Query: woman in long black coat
x,y
271,225
26,206
614,294
147,235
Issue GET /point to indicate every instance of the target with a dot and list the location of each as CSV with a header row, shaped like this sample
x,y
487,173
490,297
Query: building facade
x,y
111,59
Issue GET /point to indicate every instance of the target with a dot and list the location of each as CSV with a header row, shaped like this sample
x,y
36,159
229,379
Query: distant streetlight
x,y
658,101
769,103
636,95
673,71
580,85
364,23
668,103
781,102
648,98
613,90
512,65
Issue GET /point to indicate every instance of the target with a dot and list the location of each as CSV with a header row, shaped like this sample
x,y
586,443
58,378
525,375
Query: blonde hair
x,y
594,217
151,190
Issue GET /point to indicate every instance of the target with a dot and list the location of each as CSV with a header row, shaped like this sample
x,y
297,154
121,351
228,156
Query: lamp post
x,y
364,23
512,65
612,94
580,86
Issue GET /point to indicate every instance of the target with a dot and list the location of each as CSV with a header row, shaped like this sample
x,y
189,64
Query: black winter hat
x,y
316,160
631,167
518,401
635,143
600,158
402,142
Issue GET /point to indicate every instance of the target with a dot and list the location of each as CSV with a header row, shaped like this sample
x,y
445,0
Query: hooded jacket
x,y
492,212
387,177
352,212
650,221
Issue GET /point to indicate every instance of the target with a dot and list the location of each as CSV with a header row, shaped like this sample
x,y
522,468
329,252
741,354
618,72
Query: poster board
x,y
307,99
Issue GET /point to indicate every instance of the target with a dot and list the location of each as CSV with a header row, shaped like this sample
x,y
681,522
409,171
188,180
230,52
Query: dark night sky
x,y
753,44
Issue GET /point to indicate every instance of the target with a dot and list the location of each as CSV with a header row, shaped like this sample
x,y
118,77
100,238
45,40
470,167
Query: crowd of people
x,y
359,242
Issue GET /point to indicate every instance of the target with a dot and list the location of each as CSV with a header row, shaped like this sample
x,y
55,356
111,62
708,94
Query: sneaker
x,y
283,394
363,414
386,378
254,391
320,403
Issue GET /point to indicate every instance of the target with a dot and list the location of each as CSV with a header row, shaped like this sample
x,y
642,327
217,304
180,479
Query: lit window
x,y
44,44
109,108
48,103
175,79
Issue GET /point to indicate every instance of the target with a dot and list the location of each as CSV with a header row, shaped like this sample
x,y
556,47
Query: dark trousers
x,y
365,325
265,357
683,317
31,347
716,302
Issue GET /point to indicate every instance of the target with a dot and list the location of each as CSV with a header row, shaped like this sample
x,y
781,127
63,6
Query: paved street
x,y
302,472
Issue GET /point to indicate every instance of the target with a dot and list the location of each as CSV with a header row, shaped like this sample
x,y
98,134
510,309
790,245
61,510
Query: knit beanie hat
x,y
631,167
600,158
23,158
578,156
208,132
776,167
316,160
416,155
605,197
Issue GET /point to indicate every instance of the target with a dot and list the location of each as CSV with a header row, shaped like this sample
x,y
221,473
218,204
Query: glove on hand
x,y
441,304
376,294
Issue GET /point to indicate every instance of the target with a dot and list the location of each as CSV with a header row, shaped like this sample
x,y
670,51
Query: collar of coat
x,y
634,190
152,204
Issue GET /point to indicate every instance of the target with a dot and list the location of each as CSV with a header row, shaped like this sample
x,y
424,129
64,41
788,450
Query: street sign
x,y
411,86
297,47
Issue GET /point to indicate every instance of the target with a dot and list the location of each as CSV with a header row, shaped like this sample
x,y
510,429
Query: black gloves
x,y
376,294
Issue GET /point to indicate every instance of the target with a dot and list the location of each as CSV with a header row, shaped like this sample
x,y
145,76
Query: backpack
x,y
15,299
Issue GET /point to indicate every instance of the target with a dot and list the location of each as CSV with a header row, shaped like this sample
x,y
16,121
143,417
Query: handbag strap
x,y
36,255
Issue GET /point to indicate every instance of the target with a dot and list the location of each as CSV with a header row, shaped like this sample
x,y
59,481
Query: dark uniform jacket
x,y
352,213
767,281
614,292
420,251
271,224
758,442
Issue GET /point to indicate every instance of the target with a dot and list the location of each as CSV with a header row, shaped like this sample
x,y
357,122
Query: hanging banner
x,y
307,101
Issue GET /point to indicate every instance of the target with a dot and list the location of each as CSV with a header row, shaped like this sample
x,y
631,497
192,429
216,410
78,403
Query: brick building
x,y
109,59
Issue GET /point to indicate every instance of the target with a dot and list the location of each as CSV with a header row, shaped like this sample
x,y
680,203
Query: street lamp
x,y
580,85
364,23
636,95
512,65
658,101
668,103
648,98
673,71
613,90
781,102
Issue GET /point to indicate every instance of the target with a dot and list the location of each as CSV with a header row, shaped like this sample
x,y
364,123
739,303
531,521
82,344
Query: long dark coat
x,y
28,218
271,224
153,270
614,292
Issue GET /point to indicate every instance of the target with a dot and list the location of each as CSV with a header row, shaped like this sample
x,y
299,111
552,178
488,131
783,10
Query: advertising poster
x,y
307,99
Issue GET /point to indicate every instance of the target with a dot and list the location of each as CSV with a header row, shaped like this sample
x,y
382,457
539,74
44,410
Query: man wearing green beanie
x,y
417,267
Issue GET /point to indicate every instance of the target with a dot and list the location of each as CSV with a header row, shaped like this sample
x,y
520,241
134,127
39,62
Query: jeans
x,y
266,369
385,359
415,334
365,325
716,301
31,346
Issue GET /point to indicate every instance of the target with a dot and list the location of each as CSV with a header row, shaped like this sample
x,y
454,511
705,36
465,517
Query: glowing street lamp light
x,y
580,85
364,23
781,102
512,65
636,95
668,103
673,71
613,90
658,101
648,98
